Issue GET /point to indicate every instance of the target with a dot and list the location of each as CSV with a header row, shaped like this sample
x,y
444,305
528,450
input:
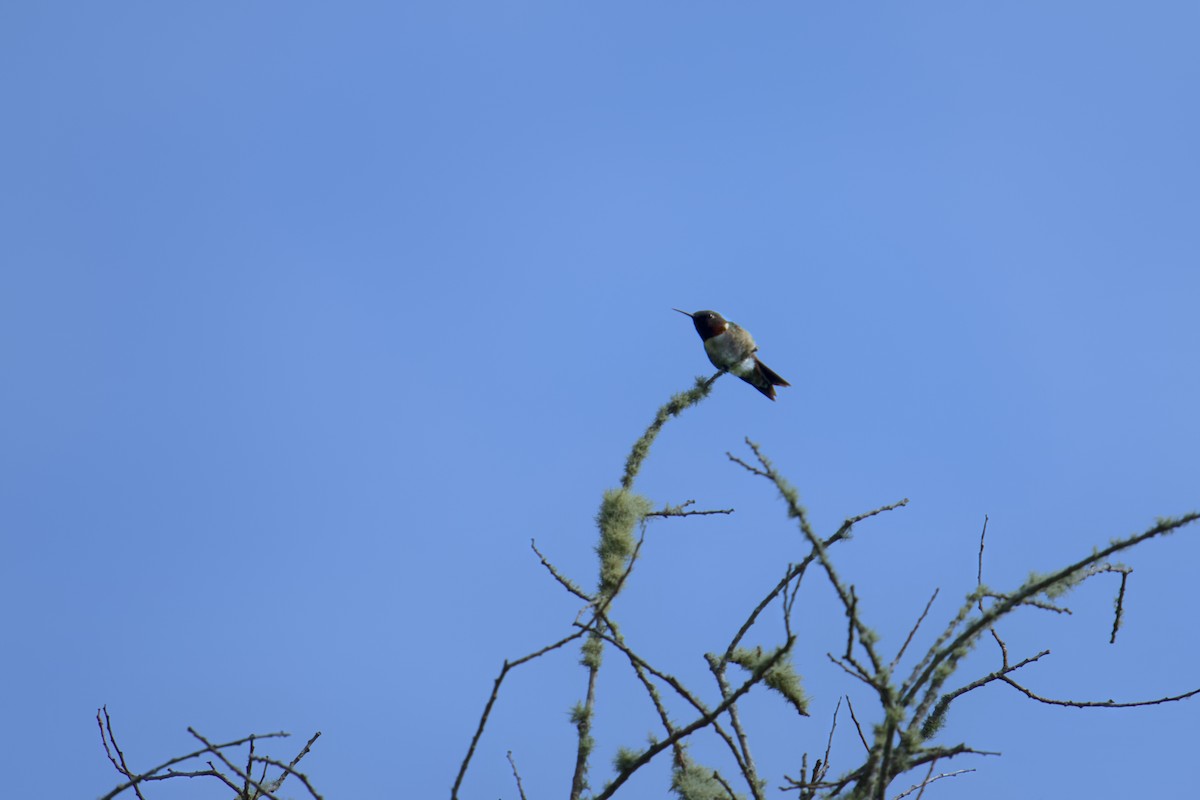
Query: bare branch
x,y
979,589
789,602
517,775
829,742
934,753
921,793
820,768
1097,703
928,780
857,727
211,772
1119,611
249,769
245,776
287,770
123,768
852,521
808,788
793,571
164,770
913,632
565,582
748,467
930,723
724,784
856,673
487,709
304,751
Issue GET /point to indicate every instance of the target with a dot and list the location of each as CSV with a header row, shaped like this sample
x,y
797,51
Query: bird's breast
x,y
728,350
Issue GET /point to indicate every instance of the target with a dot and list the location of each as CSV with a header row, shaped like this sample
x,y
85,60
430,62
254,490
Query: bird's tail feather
x,y
764,379
770,375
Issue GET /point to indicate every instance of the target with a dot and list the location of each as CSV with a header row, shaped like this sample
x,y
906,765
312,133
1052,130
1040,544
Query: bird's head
x,y
708,323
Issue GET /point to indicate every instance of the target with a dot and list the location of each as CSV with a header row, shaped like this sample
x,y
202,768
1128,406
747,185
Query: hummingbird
x,y
731,348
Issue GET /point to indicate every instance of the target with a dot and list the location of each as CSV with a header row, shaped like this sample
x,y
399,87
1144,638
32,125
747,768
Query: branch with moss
x,y
701,722
621,511
915,711
910,714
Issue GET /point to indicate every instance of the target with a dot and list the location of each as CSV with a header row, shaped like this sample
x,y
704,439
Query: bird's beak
x,y
682,312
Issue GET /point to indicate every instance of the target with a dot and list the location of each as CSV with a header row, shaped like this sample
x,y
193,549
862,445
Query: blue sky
x,y
311,316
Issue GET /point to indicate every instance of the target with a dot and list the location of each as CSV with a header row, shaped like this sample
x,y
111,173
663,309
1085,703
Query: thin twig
x,y
249,769
487,709
517,775
852,521
304,751
123,767
820,768
921,786
944,702
1097,703
287,770
211,772
232,767
792,572
979,588
153,773
864,772
748,467
565,582
853,673
851,617
1120,609
857,727
829,742
789,601
913,632
982,536
924,783
806,788
724,784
